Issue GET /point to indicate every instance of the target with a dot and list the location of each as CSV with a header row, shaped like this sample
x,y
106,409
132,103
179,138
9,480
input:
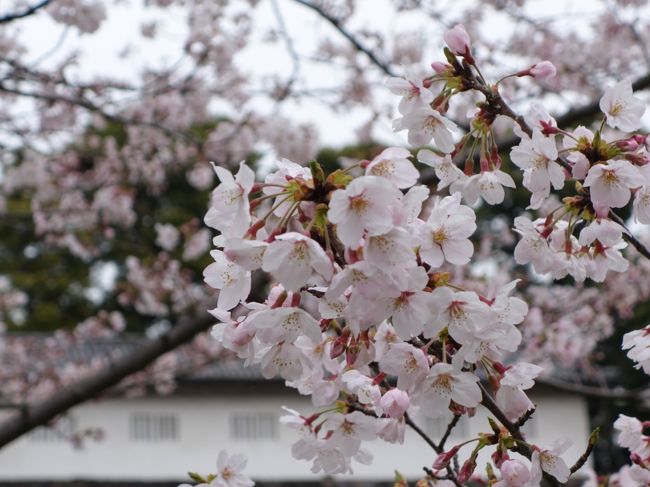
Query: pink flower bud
x,y
395,403
543,70
440,68
632,143
458,40
442,460
467,470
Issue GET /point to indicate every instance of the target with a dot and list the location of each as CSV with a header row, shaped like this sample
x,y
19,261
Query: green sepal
x,y
196,477
339,179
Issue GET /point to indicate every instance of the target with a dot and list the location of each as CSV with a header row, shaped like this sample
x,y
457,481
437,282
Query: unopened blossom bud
x,y
439,67
500,456
630,144
395,403
458,40
467,470
443,460
543,70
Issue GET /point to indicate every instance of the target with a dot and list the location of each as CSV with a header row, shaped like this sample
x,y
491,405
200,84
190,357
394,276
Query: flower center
x,y
609,177
359,204
439,236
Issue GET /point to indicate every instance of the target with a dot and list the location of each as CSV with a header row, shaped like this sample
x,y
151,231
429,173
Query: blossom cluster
x,y
362,314
631,436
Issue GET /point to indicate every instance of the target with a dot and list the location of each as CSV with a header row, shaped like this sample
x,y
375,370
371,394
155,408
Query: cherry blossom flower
x,y
391,248
287,171
623,109
230,211
444,236
229,471
487,185
284,323
537,157
459,311
365,205
424,124
407,363
513,474
642,197
511,397
363,386
293,258
446,171
412,91
394,165
610,183
285,360
233,282
445,383
630,432
549,461
638,343
532,247
348,430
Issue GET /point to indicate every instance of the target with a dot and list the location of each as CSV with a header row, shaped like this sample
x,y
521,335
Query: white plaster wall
x,y
204,430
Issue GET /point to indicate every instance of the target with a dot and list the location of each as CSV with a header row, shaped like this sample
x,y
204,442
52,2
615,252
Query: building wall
x,y
161,438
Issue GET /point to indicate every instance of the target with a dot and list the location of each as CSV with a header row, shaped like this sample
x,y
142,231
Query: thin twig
x,y
422,434
593,438
452,424
336,23
629,237
25,13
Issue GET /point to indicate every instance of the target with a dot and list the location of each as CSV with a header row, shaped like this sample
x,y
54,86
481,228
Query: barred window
x,y
153,427
253,426
62,430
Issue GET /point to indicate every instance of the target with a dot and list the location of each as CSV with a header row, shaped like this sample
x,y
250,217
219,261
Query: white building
x,y
157,439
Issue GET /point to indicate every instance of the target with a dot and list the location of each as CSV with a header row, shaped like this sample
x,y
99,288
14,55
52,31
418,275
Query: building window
x,y
153,427
62,430
253,426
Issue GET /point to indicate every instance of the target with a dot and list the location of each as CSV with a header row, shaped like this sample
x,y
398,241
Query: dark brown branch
x,y
452,424
25,13
336,23
575,115
513,429
629,237
45,411
422,434
524,418
91,107
593,439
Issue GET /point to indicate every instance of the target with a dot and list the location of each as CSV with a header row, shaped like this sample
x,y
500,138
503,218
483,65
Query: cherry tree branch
x,y
25,13
514,430
41,413
452,424
629,237
92,107
336,23
422,434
